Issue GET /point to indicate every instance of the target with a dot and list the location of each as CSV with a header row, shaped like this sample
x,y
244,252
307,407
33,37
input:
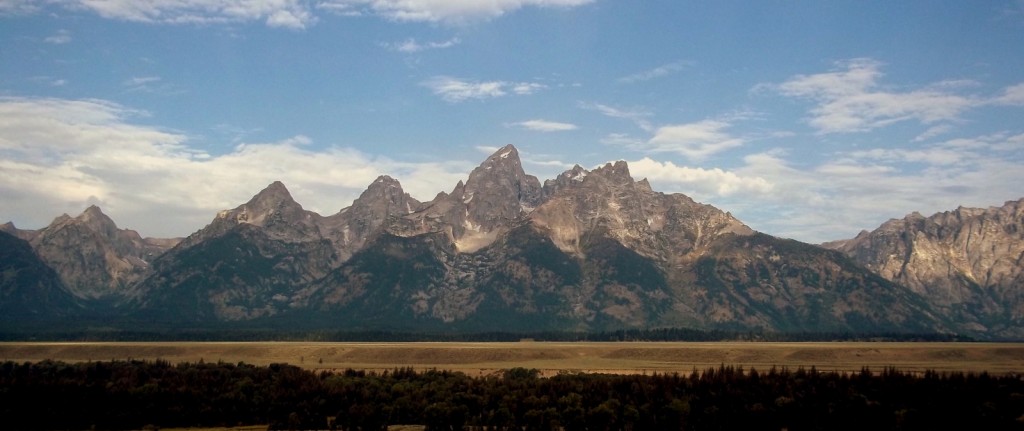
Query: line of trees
x,y
137,394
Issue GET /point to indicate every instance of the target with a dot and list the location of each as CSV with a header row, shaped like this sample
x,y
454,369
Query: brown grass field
x,y
549,357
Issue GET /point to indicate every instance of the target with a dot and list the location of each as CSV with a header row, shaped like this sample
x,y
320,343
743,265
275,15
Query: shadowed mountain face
x,y
968,263
30,291
94,259
588,250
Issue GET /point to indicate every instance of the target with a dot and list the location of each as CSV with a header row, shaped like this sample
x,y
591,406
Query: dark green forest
x,y
153,394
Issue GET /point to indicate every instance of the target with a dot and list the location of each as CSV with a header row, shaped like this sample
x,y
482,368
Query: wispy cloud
x,y
657,72
18,7
525,88
849,99
695,141
137,81
544,126
290,14
455,90
933,131
49,80
147,84
442,11
61,37
636,115
293,14
412,46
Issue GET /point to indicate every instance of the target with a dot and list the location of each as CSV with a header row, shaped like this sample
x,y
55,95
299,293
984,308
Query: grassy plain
x,y
549,357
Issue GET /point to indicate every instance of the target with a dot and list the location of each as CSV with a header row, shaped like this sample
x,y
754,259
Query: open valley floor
x,y
548,357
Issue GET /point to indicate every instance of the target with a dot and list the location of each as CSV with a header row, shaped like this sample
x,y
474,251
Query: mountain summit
x,y
588,250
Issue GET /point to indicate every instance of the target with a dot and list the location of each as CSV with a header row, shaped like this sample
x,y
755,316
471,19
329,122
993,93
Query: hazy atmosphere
x,y
806,120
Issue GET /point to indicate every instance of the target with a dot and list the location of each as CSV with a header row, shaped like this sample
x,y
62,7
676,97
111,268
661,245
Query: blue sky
x,y
805,119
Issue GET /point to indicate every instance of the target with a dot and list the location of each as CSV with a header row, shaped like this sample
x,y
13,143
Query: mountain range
x,y
586,251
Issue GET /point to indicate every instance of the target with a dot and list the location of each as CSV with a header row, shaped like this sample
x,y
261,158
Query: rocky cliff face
x,y
377,207
93,257
477,212
667,228
968,262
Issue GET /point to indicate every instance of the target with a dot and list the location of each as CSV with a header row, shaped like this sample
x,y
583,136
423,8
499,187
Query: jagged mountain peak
x,y
502,164
63,218
617,172
499,190
273,203
383,188
272,209
574,176
508,152
274,194
576,173
384,181
95,219
93,211
384,197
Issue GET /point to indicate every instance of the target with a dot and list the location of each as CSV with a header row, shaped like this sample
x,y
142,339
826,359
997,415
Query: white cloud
x,y
861,189
294,14
698,181
444,11
849,99
657,72
61,37
293,18
411,46
456,90
1013,95
545,126
58,156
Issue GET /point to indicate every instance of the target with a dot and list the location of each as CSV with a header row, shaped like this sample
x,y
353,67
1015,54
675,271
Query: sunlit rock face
x,y
968,263
656,225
